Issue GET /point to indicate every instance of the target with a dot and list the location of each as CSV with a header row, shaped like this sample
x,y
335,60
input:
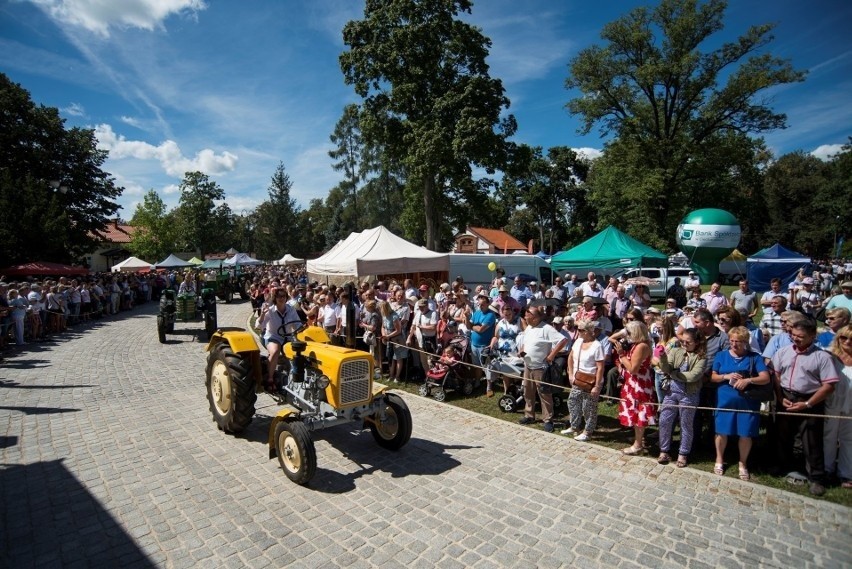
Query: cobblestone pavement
x,y
110,458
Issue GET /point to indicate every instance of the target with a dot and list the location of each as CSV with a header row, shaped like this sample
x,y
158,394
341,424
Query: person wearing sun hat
x,y
842,300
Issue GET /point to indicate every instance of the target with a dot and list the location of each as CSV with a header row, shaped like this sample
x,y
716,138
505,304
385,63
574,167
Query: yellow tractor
x,y
321,385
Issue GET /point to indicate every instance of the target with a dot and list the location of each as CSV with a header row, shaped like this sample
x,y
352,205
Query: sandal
x,y
632,451
681,462
744,475
664,458
719,469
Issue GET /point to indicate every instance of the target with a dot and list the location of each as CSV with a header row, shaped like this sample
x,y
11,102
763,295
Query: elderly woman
x,y
837,436
835,319
683,367
735,370
636,408
641,298
695,300
586,374
393,337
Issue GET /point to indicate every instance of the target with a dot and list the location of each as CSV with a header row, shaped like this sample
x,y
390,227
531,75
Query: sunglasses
x,y
844,338
830,318
724,321
630,318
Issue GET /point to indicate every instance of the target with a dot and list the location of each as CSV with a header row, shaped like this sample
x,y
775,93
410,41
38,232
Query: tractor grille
x,y
354,381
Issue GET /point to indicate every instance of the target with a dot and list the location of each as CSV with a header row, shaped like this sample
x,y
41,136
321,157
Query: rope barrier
x,y
655,404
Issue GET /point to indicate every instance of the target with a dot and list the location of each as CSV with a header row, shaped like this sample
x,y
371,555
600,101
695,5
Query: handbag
x,y
584,381
753,392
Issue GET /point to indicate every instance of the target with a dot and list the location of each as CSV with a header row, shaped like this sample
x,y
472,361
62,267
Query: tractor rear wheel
x,y
244,289
161,328
296,452
395,430
230,389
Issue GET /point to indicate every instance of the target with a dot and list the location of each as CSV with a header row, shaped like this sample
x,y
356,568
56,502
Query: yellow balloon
x,y
492,266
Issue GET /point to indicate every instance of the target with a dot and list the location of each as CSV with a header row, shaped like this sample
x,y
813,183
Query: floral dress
x,y
635,408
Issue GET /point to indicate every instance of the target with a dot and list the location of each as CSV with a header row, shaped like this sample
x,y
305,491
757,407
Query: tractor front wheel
x,y
394,430
296,452
230,389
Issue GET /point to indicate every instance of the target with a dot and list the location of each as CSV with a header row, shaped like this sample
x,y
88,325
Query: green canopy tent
x,y
212,264
196,261
609,249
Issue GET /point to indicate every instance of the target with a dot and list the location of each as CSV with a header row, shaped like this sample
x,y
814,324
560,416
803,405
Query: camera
x,y
625,344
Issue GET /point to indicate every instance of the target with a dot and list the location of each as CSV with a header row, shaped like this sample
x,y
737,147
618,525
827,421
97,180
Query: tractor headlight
x,y
323,381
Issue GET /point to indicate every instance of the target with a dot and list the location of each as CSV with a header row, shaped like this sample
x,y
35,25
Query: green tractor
x,y
185,308
226,284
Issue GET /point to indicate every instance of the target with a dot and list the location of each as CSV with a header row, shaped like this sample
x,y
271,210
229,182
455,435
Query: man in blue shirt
x,y
521,293
481,325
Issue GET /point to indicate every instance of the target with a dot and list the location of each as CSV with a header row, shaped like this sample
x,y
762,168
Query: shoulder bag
x,y
754,392
582,380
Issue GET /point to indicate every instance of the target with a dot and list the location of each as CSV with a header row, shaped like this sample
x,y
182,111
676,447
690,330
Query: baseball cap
x,y
557,320
653,310
503,288
483,295
422,302
533,283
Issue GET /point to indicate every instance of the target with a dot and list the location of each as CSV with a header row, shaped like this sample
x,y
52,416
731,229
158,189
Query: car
x,y
664,277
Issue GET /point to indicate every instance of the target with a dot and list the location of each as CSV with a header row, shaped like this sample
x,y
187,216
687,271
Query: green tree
x,y
348,160
155,235
36,151
202,225
809,203
277,230
428,100
551,188
668,103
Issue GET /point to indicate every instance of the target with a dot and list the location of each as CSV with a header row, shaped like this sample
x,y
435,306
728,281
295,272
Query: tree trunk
x,y
430,213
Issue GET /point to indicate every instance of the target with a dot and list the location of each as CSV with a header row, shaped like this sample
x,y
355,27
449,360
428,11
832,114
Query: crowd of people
x,y
663,367
703,363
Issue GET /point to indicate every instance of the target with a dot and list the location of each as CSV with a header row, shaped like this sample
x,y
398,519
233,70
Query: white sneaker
x,y
581,437
568,431
377,374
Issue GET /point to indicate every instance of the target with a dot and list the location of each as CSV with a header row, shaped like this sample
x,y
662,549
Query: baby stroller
x,y
455,376
513,399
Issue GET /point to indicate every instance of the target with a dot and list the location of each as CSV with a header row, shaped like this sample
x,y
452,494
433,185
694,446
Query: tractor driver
x,y
282,321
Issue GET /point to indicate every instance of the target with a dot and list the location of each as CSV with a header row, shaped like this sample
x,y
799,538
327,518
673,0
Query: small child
x,y
448,358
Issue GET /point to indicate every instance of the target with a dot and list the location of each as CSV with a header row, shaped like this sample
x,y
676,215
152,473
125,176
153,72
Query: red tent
x,y
42,268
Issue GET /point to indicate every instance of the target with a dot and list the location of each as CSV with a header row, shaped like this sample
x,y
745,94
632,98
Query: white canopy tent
x,y
289,259
242,259
131,265
376,251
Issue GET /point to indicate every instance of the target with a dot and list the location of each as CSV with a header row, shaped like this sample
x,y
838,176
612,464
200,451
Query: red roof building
x,y
487,241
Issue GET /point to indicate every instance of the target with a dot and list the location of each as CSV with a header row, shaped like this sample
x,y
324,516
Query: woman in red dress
x,y
635,408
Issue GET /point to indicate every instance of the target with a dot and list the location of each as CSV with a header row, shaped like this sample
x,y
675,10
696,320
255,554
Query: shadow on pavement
x,y
15,385
51,520
419,457
39,410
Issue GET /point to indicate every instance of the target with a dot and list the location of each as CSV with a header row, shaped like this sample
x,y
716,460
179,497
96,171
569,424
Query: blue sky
x,y
232,88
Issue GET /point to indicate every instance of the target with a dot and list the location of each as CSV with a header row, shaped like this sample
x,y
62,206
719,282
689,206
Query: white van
x,y
473,267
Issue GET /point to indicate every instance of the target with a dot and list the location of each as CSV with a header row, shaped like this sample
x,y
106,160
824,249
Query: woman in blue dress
x,y
736,369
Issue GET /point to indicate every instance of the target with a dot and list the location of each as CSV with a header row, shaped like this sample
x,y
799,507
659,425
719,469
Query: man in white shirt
x,y
692,281
540,344
591,287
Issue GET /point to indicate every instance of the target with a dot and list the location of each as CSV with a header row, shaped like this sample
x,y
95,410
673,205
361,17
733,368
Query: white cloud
x,y
827,151
98,16
75,109
168,153
171,189
590,153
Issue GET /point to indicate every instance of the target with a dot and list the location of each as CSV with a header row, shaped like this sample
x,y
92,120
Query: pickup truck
x,y
664,276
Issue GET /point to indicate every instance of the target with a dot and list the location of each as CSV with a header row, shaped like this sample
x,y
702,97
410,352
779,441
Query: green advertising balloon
x,y
706,236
